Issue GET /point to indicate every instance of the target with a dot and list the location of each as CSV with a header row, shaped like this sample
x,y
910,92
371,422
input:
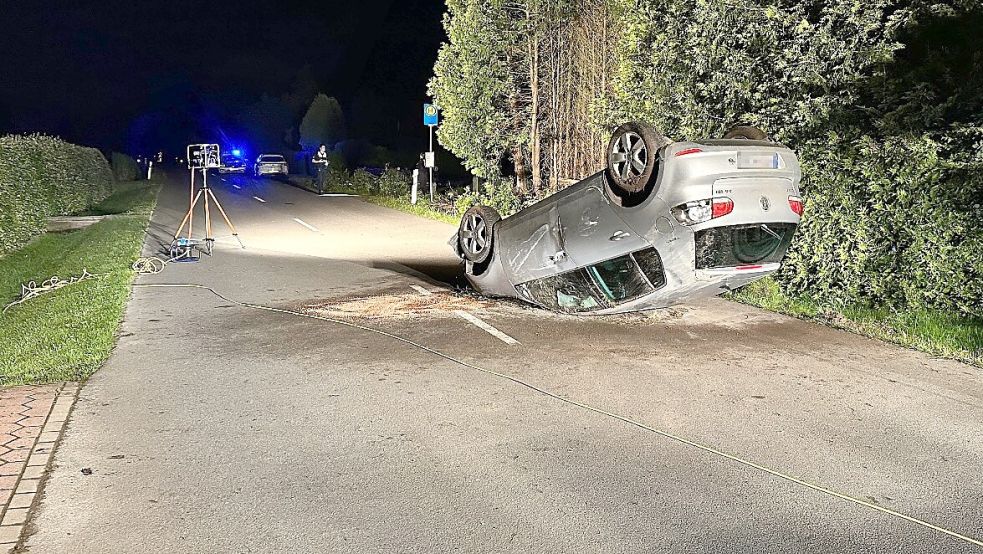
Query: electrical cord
x,y
32,290
152,265
588,407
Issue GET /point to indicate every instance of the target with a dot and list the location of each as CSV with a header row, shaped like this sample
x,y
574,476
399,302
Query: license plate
x,y
758,160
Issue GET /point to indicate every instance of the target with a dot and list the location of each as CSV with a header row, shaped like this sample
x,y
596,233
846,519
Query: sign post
x,y
430,119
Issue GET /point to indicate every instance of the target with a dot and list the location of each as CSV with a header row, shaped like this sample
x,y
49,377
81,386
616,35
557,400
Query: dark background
x,y
117,74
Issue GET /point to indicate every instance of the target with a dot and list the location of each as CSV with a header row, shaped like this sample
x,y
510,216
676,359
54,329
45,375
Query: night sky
x,y
86,71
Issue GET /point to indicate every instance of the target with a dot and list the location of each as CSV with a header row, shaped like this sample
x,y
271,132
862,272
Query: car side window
x,y
650,263
619,279
569,292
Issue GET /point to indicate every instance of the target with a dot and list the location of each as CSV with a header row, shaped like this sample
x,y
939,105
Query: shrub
x,y
125,168
42,176
395,183
496,193
364,182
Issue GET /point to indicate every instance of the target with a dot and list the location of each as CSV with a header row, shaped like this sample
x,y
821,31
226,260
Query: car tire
x,y
633,155
475,235
746,132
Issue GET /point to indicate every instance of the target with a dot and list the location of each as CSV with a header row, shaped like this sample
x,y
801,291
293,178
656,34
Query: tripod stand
x,y
184,246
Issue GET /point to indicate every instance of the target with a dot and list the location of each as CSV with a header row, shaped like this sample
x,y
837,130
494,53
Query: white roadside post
x,y
416,184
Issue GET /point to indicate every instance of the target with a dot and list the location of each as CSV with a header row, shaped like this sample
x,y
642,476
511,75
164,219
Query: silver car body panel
x,y
586,224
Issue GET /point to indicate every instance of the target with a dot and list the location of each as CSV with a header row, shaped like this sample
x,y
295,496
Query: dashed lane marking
x,y
308,225
421,290
237,187
486,327
259,199
337,194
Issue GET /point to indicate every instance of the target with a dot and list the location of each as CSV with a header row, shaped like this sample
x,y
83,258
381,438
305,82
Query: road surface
x,y
216,427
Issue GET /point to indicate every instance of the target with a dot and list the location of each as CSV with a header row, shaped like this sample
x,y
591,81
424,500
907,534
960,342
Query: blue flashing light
x,y
236,152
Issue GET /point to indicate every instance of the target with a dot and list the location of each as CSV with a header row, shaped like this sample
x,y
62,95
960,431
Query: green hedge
x,y
42,176
881,100
125,168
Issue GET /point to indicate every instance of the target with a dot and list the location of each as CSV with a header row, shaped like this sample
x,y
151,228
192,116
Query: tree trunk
x,y
534,138
519,161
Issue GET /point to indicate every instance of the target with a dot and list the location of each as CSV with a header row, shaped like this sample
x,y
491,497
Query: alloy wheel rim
x,y
475,234
629,156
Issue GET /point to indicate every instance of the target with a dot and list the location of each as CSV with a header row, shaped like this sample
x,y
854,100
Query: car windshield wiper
x,y
770,232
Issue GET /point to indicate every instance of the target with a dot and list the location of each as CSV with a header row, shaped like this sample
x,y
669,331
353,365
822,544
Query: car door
x,y
591,231
530,244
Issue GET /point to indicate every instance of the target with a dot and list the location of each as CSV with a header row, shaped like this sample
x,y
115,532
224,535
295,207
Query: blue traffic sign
x,y
430,115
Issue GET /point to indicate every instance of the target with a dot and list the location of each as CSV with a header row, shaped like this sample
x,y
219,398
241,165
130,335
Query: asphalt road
x,y
243,430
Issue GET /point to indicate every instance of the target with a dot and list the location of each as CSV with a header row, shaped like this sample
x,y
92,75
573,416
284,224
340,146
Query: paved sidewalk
x,y
31,422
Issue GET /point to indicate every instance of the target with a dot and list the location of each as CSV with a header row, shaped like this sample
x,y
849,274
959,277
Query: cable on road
x,y
666,434
153,265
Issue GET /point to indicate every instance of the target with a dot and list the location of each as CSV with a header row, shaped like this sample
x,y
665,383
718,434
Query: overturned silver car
x,y
665,223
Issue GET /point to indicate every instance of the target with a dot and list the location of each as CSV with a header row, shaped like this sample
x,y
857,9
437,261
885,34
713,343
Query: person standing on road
x,y
320,161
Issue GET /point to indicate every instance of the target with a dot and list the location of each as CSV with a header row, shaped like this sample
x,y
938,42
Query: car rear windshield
x,y
273,159
619,279
570,292
739,245
601,285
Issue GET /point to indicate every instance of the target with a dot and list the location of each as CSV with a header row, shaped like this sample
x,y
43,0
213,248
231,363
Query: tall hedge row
x,y
42,176
883,102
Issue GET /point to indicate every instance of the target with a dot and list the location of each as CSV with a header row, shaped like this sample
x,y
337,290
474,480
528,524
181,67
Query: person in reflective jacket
x,y
320,162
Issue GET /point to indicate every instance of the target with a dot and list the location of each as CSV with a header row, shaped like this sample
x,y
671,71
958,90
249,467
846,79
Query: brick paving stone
x,y
31,432
8,481
23,500
15,516
9,468
15,456
15,444
39,459
27,485
10,533
5,495
31,422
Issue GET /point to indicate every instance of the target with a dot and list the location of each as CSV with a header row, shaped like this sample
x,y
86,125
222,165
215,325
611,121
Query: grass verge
x,y
938,333
422,208
68,333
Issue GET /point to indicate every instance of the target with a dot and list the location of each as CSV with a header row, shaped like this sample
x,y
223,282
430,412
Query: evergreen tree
x,y
324,123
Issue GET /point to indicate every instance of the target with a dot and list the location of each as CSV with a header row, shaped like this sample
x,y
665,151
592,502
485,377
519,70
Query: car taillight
x,y
722,206
795,203
701,211
687,151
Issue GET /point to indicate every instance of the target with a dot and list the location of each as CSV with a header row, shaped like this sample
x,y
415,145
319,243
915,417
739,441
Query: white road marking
x,y
336,194
421,290
260,199
486,327
309,226
237,187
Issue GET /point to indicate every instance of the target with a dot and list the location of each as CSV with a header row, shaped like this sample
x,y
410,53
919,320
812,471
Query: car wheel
x,y
633,155
746,132
476,233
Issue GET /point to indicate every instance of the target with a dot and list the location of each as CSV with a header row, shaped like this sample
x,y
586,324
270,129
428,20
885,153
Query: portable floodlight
x,y
204,156
201,157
